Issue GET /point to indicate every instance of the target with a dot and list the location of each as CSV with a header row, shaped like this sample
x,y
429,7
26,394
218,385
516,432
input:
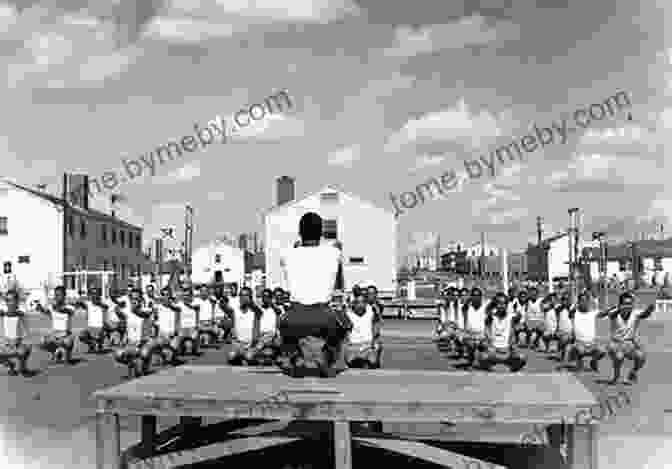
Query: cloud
x,y
468,31
270,127
455,124
218,196
506,217
426,161
69,50
604,172
185,173
314,11
345,156
186,29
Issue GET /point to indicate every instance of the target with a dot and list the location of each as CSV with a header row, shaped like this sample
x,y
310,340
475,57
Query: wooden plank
x,y
582,447
342,445
209,452
429,453
231,384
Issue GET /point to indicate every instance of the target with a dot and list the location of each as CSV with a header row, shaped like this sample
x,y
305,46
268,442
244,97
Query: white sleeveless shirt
x,y
134,324
311,272
476,318
585,325
244,325
268,322
625,330
534,312
362,326
206,311
12,327
96,315
167,319
187,316
564,322
61,322
501,331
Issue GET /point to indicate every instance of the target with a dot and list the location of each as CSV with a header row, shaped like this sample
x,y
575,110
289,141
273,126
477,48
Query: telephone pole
x,y
539,231
573,250
188,239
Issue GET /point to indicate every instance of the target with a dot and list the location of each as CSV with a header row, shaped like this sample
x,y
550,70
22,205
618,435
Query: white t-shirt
x,y
534,312
188,316
166,320
61,322
268,321
206,309
362,327
218,312
551,319
311,272
12,327
244,325
476,318
96,315
134,325
500,330
625,330
585,325
564,323
459,315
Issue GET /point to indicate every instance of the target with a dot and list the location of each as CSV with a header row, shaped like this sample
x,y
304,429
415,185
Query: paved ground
x,y
47,420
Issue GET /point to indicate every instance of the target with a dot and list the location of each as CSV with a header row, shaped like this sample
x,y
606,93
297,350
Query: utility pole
x,y
188,239
158,260
572,252
601,237
481,270
539,232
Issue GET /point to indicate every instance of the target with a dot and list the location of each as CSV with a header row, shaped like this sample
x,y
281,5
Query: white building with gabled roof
x,y
368,234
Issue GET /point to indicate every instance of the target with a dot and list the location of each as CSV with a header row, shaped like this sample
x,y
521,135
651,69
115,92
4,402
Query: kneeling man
x,y
500,348
363,348
14,331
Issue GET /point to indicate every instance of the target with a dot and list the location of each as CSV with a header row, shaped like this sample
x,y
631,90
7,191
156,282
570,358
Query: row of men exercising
x,y
489,333
147,322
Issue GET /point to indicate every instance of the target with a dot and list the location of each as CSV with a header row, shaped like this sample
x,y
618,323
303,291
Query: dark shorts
x,y
317,320
626,347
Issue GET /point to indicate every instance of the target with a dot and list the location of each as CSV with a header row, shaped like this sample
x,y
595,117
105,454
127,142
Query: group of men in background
x,y
491,332
138,324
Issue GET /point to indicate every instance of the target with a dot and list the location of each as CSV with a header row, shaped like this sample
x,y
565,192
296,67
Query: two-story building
x,y
43,236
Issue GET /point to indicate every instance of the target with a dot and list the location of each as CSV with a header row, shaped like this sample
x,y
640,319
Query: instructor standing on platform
x,y
310,271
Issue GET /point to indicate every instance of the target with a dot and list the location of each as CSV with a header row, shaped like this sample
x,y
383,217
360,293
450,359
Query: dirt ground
x,y
47,420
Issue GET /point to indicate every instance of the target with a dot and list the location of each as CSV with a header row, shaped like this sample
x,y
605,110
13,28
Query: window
x,y
24,259
82,229
71,225
114,236
622,265
3,225
106,264
356,260
130,241
329,197
330,229
84,266
104,233
122,238
218,258
137,242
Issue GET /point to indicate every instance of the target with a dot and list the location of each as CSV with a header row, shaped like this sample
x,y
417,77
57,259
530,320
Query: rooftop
x,y
60,202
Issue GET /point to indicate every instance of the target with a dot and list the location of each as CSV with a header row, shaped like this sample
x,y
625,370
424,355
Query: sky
x,y
386,94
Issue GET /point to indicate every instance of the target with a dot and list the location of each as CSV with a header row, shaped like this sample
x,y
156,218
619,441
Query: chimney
x,y
285,187
77,190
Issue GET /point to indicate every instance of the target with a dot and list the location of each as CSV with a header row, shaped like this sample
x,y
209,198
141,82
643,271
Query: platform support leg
x,y
116,442
342,445
148,434
100,440
582,446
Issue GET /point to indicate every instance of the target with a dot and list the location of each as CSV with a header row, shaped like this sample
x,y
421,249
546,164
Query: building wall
x,y
231,263
91,252
558,257
364,230
34,229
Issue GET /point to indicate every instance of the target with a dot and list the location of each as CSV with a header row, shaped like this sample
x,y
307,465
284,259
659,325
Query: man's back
x,y
311,272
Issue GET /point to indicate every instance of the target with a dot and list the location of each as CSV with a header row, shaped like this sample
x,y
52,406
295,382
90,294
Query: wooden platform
x,y
261,395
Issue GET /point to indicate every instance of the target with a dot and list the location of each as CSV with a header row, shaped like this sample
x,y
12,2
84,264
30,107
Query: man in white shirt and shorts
x,y
310,273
